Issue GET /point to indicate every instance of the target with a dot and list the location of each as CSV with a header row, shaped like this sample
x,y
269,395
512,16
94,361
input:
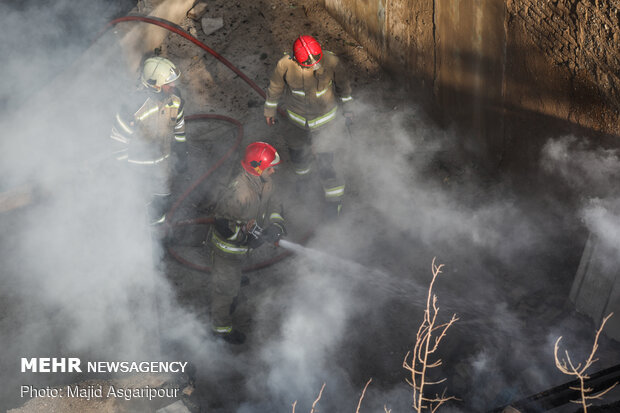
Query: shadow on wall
x,y
546,31
469,63
500,114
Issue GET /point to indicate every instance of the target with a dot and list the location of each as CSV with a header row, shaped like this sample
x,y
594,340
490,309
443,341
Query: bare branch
x,y
428,337
598,333
439,399
318,398
577,368
598,395
567,367
359,404
442,401
436,382
448,324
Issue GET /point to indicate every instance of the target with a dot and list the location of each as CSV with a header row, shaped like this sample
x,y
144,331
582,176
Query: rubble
x,y
197,11
211,25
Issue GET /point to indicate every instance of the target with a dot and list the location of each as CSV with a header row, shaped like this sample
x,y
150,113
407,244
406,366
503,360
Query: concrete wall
x,y
510,74
480,60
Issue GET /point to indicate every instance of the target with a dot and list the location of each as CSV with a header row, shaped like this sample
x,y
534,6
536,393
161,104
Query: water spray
x,y
323,257
409,289
384,281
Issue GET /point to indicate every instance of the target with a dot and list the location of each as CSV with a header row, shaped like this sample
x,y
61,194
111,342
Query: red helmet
x,y
307,51
258,157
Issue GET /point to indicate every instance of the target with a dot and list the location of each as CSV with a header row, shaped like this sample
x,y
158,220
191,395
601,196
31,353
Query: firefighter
x,y
150,129
246,215
314,87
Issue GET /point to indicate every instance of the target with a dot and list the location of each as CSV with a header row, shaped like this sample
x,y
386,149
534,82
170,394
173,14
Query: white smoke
x,y
591,170
81,271
397,216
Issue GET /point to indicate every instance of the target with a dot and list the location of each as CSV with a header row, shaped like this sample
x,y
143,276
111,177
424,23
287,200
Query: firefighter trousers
x,y
322,149
226,271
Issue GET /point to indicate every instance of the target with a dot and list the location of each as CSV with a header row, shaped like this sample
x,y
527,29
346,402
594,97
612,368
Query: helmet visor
x,y
172,76
276,160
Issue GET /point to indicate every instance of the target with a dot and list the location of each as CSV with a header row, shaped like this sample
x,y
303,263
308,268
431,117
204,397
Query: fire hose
x,y
170,26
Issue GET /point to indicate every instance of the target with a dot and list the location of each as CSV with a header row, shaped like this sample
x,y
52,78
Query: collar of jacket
x,y
158,97
317,72
320,70
255,181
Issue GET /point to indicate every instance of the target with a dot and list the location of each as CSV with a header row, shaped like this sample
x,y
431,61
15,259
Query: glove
x,y
254,234
254,243
273,233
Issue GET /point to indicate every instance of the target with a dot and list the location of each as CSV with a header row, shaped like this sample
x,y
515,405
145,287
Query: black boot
x,y
332,210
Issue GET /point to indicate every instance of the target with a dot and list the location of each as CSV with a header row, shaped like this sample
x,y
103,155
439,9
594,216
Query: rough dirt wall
x,y
479,60
399,34
579,43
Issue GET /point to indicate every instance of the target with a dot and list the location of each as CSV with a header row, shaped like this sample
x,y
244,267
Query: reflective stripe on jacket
x,y
227,247
246,198
312,123
144,136
311,97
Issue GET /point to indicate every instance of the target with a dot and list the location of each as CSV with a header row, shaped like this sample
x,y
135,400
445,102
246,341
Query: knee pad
x,y
301,160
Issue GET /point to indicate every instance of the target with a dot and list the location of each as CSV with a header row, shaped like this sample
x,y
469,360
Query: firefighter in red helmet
x,y
246,215
314,87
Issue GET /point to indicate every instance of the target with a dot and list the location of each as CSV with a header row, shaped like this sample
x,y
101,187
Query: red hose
x,y
178,30
219,163
205,220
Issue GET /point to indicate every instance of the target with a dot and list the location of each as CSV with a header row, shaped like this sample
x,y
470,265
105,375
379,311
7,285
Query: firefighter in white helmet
x,y
150,132
314,87
247,214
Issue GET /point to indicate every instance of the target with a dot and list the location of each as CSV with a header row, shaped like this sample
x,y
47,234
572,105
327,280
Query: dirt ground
x,y
254,36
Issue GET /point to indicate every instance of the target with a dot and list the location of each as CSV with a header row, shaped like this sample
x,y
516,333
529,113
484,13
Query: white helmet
x,y
158,71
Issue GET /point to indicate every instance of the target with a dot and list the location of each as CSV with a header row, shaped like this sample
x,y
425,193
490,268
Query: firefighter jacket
x,y
247,198
311,97
146,129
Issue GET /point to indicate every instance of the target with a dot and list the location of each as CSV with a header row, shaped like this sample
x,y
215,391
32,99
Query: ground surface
x,y
349,310
253,38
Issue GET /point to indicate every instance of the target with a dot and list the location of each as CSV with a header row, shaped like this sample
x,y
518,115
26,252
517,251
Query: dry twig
x,y
359,404
315,402
428,337
318,398
567,366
